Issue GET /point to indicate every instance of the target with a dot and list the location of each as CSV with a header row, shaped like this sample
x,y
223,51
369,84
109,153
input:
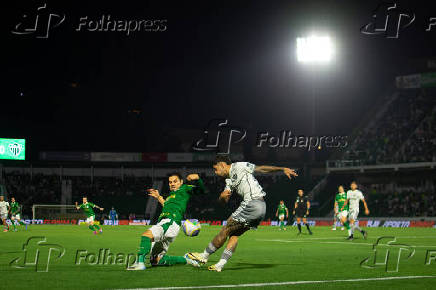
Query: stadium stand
x,y
127,194
405,131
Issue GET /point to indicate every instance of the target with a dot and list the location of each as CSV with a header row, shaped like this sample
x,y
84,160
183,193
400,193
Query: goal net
x,y
56,212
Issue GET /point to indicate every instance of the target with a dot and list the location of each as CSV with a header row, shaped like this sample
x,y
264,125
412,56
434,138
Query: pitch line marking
x,y
285,283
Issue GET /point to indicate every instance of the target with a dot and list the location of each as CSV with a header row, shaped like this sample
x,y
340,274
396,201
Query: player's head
x,y
341,188
85,199
300,192
282,202
112,208
222,165
175,180
12,199
2,198
353,185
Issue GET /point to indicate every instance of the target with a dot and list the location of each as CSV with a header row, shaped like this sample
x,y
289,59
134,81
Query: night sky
x,y
106,91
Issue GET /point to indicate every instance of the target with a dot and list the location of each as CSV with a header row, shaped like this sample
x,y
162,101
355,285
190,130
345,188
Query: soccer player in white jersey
x,y
4,209
239,179
354,196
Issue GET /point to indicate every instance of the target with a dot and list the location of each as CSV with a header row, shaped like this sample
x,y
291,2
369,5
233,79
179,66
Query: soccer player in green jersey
x,y
88,209
341,207
158,238
15,210
280,213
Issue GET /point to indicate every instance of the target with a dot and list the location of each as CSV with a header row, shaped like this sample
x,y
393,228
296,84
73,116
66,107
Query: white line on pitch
x,y
285,283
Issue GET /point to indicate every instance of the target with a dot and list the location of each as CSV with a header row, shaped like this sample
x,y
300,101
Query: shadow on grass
x,y
240,266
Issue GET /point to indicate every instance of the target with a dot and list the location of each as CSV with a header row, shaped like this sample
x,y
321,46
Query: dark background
x,y
217,59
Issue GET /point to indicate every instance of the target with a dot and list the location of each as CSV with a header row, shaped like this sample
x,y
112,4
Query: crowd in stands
x,y
405,132
403,200
35,189
405,204
128,196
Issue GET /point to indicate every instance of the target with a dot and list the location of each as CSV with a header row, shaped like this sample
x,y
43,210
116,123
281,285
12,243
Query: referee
x,y
301,210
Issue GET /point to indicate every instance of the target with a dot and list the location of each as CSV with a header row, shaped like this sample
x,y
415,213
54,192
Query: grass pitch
x,y
265,259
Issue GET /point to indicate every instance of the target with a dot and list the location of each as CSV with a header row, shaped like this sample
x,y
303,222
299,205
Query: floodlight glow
x,y
317,49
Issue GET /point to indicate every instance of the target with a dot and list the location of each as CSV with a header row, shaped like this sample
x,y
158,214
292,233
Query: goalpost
x,y
54,212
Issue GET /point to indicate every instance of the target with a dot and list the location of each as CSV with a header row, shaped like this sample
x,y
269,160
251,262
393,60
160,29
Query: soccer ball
x,y
191,228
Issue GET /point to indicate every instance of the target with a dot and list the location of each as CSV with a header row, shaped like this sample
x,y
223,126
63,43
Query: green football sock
x,y
347,225
22,223
171,260
91,227
282,224
97,227
144,248
13,224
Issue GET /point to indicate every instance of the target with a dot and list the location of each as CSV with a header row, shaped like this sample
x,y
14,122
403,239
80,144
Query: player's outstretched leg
x,y
364,233
351,231
218,241
92,228
347,226
176,260
98,228
226,255
203,257
144,249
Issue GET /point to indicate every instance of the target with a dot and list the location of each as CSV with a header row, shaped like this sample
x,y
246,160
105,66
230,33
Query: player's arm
x,y
287,213
308,207
77,206
96,206
335,207
295,207
267,169
155,193
195,180
277,212
366,206
225,195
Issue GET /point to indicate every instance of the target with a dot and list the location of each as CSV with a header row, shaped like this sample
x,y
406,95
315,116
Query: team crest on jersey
x,y
15,149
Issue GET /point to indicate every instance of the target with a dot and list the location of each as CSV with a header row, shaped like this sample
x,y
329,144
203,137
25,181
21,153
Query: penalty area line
x,y
286,283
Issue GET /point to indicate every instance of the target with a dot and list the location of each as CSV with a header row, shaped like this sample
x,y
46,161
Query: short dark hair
x,y
175,174
353,182
222,158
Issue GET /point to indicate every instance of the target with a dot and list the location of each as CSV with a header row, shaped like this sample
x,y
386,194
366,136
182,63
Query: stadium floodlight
x,y
314,49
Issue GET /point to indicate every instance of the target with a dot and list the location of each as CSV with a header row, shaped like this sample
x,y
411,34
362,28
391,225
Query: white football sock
x,y
221,263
